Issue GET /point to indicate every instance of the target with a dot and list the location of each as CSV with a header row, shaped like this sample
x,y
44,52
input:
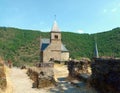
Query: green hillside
x,y
22,46
109,43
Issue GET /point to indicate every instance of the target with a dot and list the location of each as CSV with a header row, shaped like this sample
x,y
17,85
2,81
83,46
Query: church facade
x,y
53,48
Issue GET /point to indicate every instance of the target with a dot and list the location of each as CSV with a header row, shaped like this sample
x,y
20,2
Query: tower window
x,y
56,36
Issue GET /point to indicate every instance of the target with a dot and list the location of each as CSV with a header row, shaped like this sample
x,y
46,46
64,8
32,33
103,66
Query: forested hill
x,y
22,46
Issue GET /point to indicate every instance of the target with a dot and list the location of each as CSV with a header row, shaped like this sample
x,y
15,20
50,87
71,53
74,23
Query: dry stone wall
x,y
78,68
105,76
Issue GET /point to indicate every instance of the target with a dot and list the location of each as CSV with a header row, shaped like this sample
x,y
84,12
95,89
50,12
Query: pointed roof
x,y
55,27
96,55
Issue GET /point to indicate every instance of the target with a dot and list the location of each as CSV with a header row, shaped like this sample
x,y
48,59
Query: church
x,y
53,48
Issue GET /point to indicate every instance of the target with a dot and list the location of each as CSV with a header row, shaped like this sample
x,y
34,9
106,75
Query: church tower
x,y
53,49
55,33
55,41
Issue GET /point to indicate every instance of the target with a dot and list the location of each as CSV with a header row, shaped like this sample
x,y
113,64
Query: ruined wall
x,y
42,76
77,68
105,76
3,82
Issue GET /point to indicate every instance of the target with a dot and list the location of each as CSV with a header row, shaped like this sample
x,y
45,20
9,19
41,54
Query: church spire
x,y
55,27
96,55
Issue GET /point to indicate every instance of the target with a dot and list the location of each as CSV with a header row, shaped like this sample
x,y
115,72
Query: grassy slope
x,y
22,46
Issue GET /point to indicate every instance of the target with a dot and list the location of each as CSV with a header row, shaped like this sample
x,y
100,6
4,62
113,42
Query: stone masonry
x,y
42,76
78,68
105,76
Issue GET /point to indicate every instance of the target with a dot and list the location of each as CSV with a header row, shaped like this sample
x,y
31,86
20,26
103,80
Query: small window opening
x,y
51,59
56,36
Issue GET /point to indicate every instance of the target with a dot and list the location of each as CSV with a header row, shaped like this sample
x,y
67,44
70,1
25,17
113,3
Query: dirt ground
x,y
60,71
19,82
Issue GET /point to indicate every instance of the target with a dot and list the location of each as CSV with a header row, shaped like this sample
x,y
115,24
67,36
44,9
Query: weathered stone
x,y
78,68
106,75
3,82
23,67
42,76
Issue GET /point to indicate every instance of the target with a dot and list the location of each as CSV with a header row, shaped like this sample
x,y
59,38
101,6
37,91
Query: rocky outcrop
x,y
105,76
78,69
3,82
42,76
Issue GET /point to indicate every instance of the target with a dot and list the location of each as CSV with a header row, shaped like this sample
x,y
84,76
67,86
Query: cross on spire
x,y
55,17
55,27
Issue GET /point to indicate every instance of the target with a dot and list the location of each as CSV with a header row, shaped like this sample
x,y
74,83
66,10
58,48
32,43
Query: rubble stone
x,y
42,76
78,68
3,82
106,75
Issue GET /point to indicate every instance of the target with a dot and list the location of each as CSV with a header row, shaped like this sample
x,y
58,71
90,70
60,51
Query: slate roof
x,y
63,48
45,43
45,40
44,46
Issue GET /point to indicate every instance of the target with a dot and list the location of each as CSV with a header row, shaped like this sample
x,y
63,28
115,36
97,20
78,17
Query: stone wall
x,y
42,76
105,76
52,51
3,82
78,68
64,56
55,33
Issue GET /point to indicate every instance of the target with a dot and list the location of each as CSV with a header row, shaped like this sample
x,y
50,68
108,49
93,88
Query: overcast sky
x,y
79,16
